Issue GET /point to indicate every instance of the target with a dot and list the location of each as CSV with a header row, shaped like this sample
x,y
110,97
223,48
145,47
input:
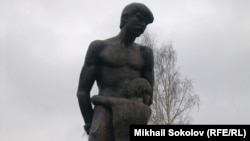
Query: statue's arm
x,y
101,100
107,101
148,73
86,81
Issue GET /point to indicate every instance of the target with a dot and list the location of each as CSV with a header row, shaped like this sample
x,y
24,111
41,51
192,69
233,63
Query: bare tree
x,y
174,96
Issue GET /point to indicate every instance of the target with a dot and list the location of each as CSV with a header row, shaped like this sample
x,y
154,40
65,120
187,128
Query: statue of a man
x,y
113,63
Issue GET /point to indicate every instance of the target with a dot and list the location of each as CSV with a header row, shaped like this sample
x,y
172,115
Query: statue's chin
x,y
137,34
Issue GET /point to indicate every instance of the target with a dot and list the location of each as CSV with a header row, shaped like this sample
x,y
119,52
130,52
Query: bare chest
x,y
118,57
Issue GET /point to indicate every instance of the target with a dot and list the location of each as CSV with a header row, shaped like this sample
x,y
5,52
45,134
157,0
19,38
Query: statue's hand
x,y
94,99
97,99
87,128
147,100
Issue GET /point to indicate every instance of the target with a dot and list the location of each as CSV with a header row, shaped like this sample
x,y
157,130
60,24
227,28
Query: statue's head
x,y
134,8
139,87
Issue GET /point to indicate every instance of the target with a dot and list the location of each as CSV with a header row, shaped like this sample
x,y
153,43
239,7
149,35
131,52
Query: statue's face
x,y
136,24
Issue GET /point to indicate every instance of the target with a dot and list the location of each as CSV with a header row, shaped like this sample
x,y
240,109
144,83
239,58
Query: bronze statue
x,y
120,67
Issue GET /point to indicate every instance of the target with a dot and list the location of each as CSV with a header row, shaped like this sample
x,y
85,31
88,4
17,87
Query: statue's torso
x,y
118,65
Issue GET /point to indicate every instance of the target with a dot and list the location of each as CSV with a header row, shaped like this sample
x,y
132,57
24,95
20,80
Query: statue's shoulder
x,y
95,48
145,49
97,44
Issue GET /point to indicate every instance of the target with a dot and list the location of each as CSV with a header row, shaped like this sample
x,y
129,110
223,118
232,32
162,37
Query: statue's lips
x,y
140,28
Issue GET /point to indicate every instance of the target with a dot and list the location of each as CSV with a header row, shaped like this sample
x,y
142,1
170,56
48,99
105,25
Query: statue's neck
x,y
126,38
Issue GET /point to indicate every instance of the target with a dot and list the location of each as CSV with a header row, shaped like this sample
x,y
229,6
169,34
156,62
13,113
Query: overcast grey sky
x,y
43,45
